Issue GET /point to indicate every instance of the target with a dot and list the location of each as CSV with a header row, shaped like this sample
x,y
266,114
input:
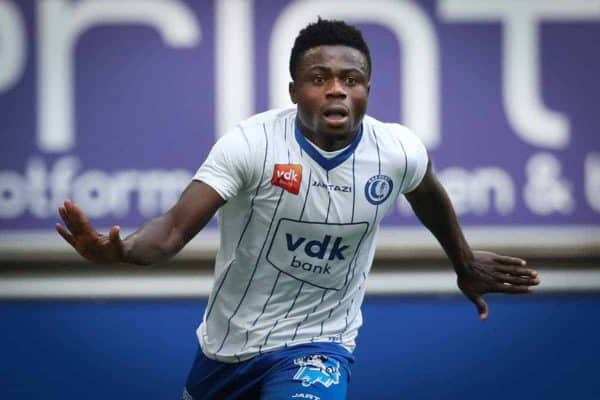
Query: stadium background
x,y
115,104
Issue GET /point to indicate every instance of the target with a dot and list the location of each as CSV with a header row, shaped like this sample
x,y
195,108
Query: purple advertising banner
x,y
115,104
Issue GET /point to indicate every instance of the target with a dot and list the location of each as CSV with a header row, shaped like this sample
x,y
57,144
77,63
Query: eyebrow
x,y
344,70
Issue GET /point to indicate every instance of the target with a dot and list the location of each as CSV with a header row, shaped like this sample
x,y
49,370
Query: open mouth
x,y
336,115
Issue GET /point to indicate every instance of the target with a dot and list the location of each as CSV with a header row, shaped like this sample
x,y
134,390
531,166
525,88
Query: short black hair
x,y
327,32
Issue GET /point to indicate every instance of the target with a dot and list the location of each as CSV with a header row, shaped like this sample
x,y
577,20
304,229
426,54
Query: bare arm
x,y
157,240
478,272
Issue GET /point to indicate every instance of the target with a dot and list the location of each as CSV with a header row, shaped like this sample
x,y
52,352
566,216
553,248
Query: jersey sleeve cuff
x,y
222,191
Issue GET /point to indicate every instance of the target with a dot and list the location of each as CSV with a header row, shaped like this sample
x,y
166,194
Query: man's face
x,y
331,90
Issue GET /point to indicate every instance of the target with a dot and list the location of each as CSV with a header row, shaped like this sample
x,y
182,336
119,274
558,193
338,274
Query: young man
x,y
300,194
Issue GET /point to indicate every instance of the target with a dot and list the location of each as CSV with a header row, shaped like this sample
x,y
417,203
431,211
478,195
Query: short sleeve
x,y
228,167
416,160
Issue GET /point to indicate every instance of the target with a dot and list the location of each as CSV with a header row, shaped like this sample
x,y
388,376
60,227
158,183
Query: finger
x,y
507,269
115,239
65,235
518,280
62,211
506,260
63,214
78,221
67,215
480,304
511,289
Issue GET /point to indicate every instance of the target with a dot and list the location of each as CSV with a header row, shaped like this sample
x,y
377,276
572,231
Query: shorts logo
x,y
378,189
287,177
317,368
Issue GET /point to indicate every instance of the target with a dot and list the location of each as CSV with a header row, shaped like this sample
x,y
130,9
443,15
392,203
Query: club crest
x,y
378,188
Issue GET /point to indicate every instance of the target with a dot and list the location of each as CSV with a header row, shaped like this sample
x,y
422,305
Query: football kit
x,y
297,232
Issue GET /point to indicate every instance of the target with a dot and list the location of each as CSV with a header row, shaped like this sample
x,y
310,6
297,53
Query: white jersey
x,y
297,234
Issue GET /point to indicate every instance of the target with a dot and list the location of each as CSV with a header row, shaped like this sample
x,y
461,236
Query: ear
x,y
292,90
368,88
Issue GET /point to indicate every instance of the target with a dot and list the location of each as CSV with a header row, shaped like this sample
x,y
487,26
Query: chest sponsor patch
x,y
287,177
317,253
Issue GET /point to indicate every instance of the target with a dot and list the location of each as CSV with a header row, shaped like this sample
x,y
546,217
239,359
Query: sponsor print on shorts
x,y
314,252
378,188
308,396
317,368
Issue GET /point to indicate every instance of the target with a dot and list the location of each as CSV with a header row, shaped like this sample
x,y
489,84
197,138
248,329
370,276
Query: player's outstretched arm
x,y
158,239
478,272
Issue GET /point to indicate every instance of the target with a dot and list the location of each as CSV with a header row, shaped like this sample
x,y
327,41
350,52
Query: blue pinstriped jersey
x,y
297,231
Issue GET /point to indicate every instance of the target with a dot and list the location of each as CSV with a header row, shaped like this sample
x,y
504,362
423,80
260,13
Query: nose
x,y
335,88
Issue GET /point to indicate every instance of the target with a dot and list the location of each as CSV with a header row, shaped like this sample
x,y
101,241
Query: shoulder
x,y
264,124
390,135
403,149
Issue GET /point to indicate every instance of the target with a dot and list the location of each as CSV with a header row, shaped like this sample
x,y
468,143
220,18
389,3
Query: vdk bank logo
x,y
315,249
378,188
316,253
287,177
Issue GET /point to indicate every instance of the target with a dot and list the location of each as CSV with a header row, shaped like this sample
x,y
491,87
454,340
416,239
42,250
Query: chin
x,y
335,130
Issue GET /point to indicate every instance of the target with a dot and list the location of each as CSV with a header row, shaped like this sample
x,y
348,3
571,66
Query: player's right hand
x,y
80,234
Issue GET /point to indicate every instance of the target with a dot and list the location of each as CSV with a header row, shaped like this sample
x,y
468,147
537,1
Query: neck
x,y
327,142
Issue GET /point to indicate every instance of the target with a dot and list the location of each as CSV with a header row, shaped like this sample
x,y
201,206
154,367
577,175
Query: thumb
x,y
475,297
482,307
114,237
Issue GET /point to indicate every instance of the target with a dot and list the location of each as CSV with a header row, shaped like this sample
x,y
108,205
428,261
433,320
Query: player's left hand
x,y
492,273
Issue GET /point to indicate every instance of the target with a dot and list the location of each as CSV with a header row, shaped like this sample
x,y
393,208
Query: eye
x,y
351,81
318,80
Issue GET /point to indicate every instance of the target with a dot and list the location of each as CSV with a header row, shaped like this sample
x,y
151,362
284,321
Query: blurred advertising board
x,y
115,104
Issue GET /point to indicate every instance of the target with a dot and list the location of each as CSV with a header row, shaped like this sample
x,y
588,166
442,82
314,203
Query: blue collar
x,y
328,163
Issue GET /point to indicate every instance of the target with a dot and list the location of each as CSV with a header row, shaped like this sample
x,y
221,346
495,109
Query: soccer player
x,y
300,193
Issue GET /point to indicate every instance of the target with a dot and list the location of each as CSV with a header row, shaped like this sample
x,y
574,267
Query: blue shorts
x,y
314,371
